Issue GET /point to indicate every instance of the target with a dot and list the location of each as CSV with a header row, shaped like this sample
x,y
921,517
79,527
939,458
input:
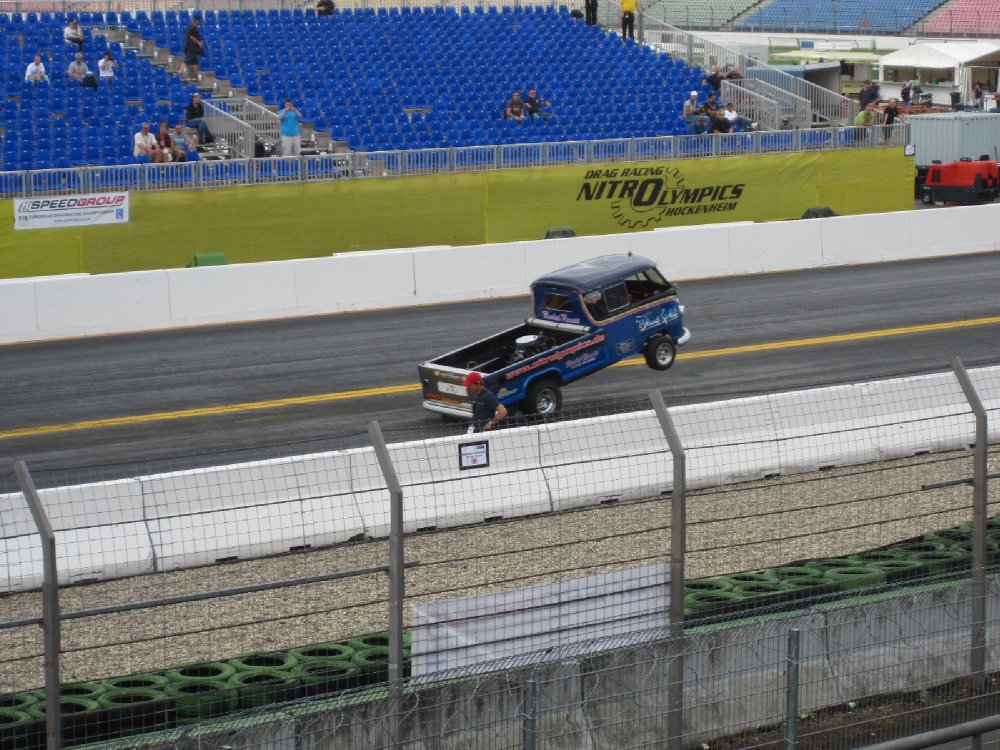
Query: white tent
x,y
951,59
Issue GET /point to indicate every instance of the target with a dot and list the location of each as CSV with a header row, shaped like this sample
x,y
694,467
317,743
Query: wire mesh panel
x,y
116,178
220,173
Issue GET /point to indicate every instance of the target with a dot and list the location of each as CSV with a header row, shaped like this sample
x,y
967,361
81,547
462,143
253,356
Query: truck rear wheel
x,y
660,352
927,195
544,398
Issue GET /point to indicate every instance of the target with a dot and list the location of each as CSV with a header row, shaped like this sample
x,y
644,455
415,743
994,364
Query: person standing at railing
x,y
289,130
195,117
629,8
890,115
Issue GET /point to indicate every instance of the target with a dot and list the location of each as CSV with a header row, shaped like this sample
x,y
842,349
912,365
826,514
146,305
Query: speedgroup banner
x,y
71,210
611,198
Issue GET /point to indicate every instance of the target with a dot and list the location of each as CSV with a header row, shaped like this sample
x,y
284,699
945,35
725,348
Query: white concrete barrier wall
x,y
56,307
198,517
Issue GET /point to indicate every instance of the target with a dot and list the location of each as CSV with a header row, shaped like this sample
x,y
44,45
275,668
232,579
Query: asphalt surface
x,y
134,376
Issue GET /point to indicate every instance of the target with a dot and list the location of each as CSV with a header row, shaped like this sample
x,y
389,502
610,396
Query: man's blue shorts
x,y
190,58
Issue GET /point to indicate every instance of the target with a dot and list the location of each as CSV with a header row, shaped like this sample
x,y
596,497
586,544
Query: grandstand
x,y
964,17
837,16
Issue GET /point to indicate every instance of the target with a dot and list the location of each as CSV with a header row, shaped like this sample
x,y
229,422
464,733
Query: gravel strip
x,y
734,528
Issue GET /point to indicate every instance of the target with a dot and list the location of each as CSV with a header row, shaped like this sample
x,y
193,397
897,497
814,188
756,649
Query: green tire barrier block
x,y
322,676
808,586
898,569
271,660
373,664
792,571
67,705
738,579
322,652
261,687
949,536
17,701
942,561
82,720
830,563
137,710
706,584
86,690
198,700
213,670
10,717
911,549
855,577
369,640
19,730
763,594
874,556
714,603
136,681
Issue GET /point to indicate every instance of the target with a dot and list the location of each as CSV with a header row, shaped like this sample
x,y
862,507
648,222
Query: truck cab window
x,y
558,302
616,297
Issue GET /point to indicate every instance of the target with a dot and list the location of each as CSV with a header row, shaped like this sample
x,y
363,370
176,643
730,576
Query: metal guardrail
x,y
228,130
827,107
262,121
792,111
357,165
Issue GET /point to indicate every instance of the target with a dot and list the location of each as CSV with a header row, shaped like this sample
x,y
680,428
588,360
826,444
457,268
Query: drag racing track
x,y
183,398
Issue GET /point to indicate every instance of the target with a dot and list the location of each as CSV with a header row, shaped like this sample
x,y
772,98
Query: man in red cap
x,y
487,410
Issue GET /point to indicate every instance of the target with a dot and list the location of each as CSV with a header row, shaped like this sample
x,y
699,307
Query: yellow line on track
x,y
211,411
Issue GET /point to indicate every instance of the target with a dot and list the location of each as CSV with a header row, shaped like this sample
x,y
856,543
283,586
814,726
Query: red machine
x,y
963,181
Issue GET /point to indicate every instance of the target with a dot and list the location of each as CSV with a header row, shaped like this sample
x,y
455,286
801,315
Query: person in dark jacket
x,y
195,118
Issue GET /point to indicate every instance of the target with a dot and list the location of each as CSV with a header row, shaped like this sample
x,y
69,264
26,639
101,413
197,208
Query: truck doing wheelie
x,y
586,317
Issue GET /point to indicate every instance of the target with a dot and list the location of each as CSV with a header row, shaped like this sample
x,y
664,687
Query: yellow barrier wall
x,y
276,222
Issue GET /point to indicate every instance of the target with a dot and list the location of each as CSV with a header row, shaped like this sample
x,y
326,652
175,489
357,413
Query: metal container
x,y
950,136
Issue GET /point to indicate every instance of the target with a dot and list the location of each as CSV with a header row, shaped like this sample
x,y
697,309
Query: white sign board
x,y
594,610
70,210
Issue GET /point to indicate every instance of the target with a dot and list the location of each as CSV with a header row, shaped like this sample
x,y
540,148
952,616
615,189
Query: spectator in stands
x,y
735,74
324,8
694,113
515,108
890,115
73,34
536,107
165,143
145,145
590,12
720,124
711,105
106,67
80,73
289,130
906,93
629,7
193,47
714,79
735,118
182,141
35,71
195,118
868,95
866,117
977,94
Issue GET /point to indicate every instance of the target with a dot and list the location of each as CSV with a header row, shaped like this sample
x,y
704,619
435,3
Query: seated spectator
x,y
106,67
36,71
146,147
719,122
324,8
196,118
536,107
694,113
80,73
711,105
73,34
182,141
515,108
165,144
743,123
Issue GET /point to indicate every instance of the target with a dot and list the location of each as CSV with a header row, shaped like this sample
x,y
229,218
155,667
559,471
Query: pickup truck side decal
x,y
556,356
657,318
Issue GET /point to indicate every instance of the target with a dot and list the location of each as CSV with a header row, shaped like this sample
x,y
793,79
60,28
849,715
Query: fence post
x,y
50,607
396,562
678,551
977,653
792,688
530,714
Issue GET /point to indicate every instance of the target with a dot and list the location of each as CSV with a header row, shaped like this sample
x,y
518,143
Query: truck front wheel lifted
x,y
544,398
660,352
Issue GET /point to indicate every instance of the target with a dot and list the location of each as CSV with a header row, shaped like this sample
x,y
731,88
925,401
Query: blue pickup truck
x,y
586,317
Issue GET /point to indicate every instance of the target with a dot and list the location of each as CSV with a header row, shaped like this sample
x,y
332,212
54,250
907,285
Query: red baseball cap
x,y
473,377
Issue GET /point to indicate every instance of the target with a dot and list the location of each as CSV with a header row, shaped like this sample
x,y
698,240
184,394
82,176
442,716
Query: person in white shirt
x,y
107,67
73,34
146,145
36,71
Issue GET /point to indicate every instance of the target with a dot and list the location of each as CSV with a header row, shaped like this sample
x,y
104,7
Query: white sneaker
x,y
753,125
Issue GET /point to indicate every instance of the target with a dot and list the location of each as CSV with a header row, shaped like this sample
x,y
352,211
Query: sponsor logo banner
x,y
71,210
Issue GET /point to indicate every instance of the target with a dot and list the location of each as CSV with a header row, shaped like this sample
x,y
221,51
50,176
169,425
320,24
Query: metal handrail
x,y
323,167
